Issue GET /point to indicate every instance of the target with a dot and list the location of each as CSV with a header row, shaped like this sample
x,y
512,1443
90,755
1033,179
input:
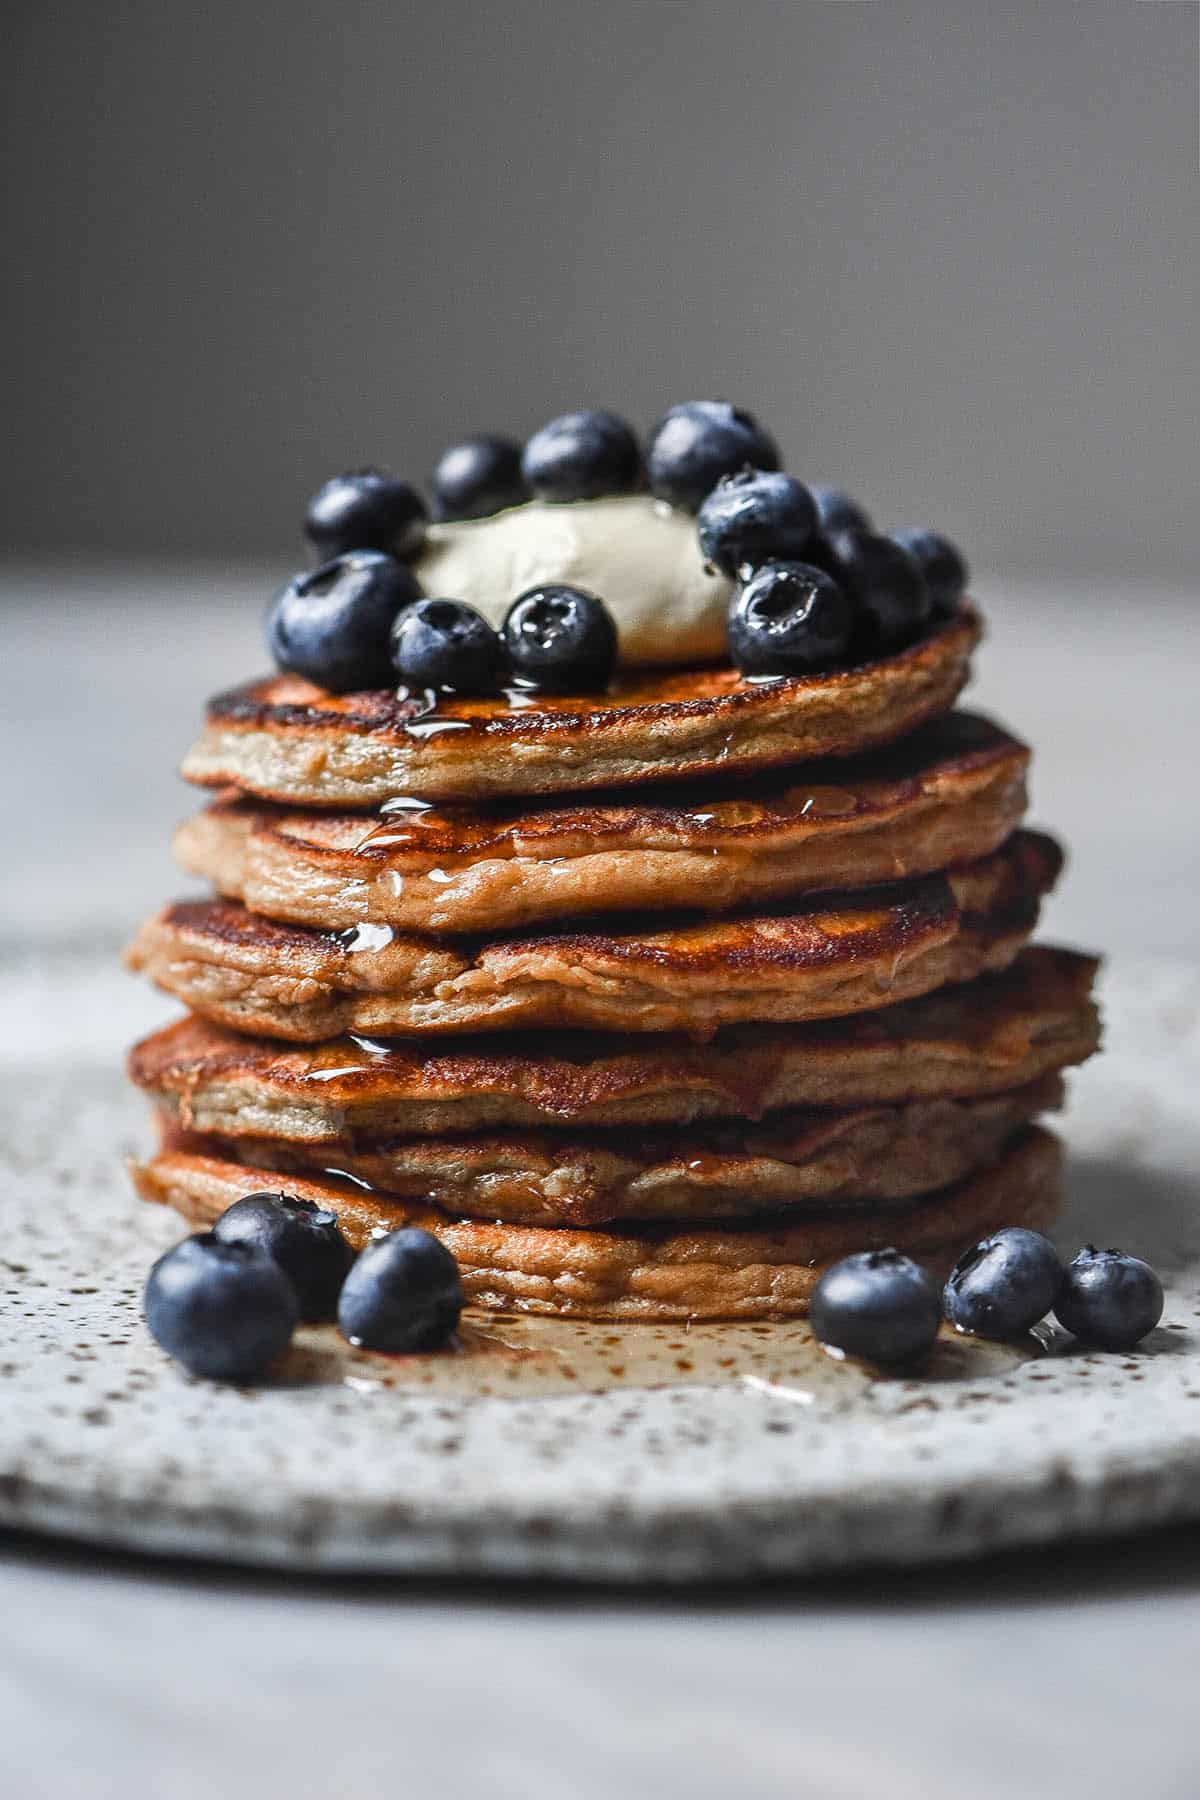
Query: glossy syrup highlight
x,y
514,1356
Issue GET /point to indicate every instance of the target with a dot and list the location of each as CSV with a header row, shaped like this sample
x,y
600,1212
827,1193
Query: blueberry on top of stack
x,y
606,885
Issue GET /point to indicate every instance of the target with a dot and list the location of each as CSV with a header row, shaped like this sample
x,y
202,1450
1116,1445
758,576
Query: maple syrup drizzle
x,y
514,1356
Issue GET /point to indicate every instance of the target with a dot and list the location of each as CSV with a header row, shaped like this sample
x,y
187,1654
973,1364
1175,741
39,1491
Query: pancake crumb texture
x,y
1002,1032
845,954
284,739
650,1273
797,1160
951,794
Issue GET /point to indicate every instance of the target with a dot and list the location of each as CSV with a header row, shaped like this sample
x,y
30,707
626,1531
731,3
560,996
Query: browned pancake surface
x,y
949,794
801,1160
651,1272
1000,1032
284,739
841,954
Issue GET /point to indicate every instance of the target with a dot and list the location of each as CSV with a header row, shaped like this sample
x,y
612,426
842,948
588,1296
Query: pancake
x,y
949,794
801,1160
653,1272
839,954
284,739
1000,1032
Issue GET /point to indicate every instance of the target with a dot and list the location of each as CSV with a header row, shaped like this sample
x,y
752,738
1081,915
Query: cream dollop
x,y
639,557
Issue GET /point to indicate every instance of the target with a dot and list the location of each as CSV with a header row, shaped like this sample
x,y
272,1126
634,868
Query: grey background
x,y
947,250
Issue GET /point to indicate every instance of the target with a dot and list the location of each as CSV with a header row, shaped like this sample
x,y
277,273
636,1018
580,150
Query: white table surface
x,y
1066,1673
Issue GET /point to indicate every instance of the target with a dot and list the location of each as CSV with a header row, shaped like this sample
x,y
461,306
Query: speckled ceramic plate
x,y
568,1451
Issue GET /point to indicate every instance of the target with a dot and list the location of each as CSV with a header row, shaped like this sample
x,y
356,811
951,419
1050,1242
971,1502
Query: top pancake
x,y
286,740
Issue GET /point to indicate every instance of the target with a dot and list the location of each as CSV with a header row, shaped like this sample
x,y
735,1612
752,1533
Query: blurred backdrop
x,y
946,250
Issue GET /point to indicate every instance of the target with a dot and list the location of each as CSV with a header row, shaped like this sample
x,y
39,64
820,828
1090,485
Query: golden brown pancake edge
x,y
1000,1032
838,954
950,794
285,740
651,1273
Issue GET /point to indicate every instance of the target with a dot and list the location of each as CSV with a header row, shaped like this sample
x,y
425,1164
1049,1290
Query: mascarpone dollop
x,y
637,555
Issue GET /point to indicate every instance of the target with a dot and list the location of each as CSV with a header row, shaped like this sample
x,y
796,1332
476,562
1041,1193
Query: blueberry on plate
x,y
225,1311
788,619
301,1237
582,456
838,510
940,562
878,1304
697,443
754,517
477,477
886,588
446,644
561,640
1004,1284
404,1293
365,509
333,625
1109,1299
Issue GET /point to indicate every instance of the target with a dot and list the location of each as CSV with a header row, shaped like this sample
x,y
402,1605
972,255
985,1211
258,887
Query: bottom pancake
x,y
653,1273
804,1159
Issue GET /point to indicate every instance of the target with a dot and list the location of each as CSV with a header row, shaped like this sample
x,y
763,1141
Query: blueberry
x,y
940,562
477,477
334,624
695,444
298,1235
561,640
403,1293
446,644
1004,1284
582,456
755,517
879,1304
1109,1299
365,509
887,590
839,511
223,1310
789,619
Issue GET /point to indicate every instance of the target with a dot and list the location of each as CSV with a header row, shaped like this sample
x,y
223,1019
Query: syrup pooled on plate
x,y
515,1356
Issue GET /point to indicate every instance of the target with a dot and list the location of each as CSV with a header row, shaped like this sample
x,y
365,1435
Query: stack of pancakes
x,y
649,1005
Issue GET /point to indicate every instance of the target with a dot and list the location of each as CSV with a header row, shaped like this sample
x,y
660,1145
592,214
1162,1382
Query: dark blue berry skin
x,y
940,562
755,517
365,509
404,1293
789,619
695,445
561,640
1003,1285
886,588
879,1305
839,511
298,1235
333,625
224,1311
1109,1299
582,456
446,644
477,477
